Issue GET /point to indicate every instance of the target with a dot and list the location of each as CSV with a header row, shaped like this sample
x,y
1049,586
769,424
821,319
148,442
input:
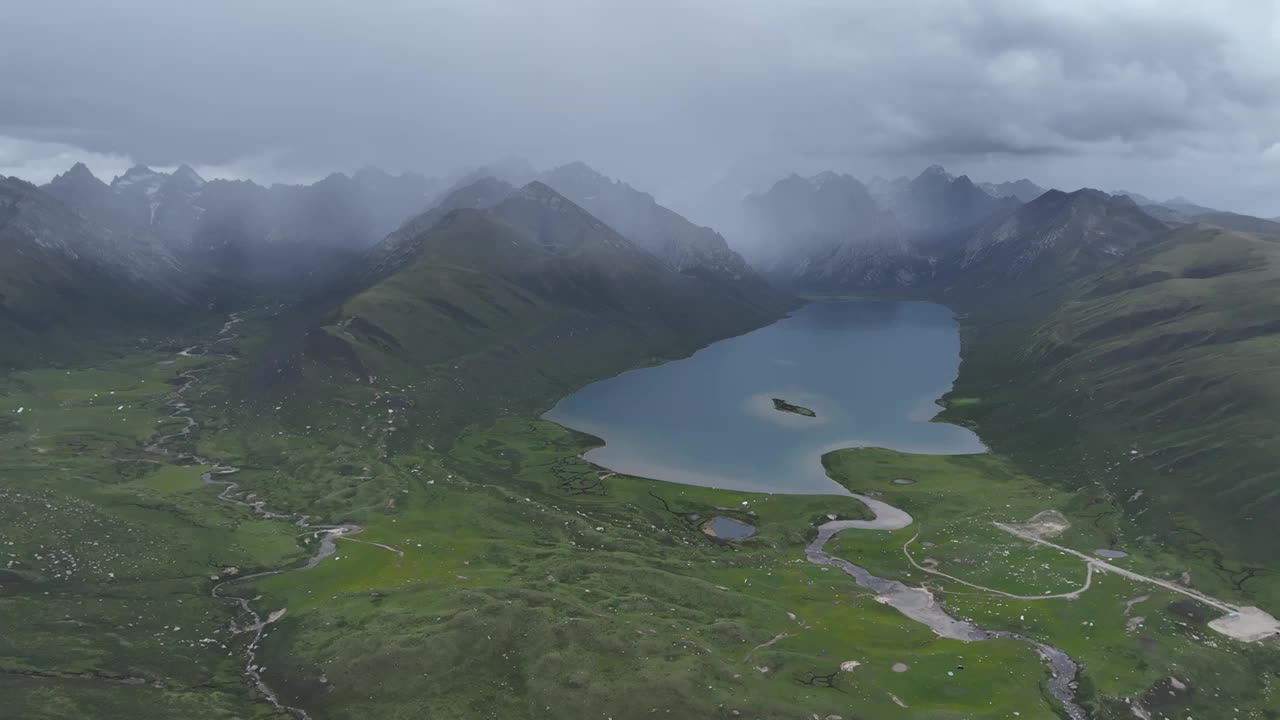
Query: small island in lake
x,y
784,406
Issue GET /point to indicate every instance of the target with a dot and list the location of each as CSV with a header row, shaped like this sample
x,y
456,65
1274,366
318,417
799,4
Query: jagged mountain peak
x,y
794,187
79,170
78,175
1021,189
676,242
183,180
1105,197
483,192
1083,195
335,179
936,171
403,244
541,192
1136,197
580,171
1059,235
829,180
80,189
138,174
582,182
556,218
934,179
186,173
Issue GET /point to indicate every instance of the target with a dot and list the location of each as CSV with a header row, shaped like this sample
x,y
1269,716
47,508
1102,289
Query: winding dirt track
x,y
1094,562
1072,595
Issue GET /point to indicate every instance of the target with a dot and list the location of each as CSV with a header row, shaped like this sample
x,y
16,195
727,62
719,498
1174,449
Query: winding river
x,y
920,605
904,419
870,371
328,534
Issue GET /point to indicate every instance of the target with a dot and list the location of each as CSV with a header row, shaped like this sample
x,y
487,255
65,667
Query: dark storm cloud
x,y
1170,97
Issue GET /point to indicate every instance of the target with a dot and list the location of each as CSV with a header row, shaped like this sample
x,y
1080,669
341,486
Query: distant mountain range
x,y
1051,240
681,245
169,243
401,336
1178,209
178,243
1023,189
831,231
241,236
64,281
1094,323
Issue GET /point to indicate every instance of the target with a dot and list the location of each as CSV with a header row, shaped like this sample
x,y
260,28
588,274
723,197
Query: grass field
x,y
106,551
527,583
955,500
529,588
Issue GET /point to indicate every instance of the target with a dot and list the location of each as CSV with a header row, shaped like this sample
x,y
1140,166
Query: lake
x,y
870,371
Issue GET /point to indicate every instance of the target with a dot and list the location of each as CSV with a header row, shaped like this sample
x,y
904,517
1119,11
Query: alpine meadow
x,y
611,361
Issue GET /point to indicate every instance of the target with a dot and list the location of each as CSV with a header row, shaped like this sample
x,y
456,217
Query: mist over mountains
x,y
399,313
164,247
183,245
631,360
241,230
216,241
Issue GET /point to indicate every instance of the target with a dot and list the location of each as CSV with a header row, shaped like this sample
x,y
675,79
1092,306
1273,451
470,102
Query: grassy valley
x,y
108,548
554,584
637,361
485,570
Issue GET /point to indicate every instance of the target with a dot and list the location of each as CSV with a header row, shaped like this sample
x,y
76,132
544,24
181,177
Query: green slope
x,y
534,295
1158,379
1269,229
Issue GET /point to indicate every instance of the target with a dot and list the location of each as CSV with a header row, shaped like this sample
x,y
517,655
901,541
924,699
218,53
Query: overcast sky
x,y
1161,97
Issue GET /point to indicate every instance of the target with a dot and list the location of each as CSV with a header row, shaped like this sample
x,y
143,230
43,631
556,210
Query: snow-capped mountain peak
x,y
138,178
187,177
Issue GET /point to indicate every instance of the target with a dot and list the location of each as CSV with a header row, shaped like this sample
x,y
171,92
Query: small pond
x,y
727,528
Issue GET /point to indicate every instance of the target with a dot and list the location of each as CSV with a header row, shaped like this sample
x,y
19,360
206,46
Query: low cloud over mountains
x,y
1165,98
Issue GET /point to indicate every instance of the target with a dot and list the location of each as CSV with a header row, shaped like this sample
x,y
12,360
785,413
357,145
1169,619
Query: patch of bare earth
x,y
1044,524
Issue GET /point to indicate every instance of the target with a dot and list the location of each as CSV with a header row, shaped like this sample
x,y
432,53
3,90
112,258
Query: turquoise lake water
x,y
872,371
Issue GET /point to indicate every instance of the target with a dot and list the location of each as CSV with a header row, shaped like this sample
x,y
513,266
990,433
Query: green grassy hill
x,y
1269,229
1155,378
531,298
